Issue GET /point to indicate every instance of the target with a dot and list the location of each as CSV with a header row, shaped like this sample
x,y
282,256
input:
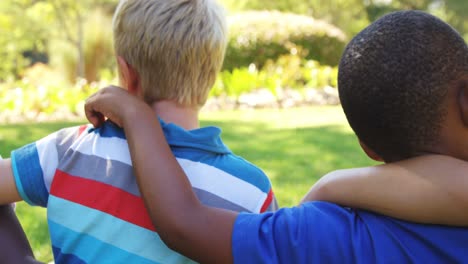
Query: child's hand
x,y
114,103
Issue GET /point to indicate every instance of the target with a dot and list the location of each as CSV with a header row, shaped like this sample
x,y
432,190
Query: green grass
x,y
295,147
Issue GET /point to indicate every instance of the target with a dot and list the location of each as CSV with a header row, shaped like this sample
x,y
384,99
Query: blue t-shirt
x,y
320,232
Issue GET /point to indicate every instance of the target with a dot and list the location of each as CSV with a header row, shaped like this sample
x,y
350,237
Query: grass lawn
x,y
295,147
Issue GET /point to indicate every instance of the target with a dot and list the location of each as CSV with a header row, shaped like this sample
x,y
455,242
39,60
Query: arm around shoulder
x,y
183,223
403,189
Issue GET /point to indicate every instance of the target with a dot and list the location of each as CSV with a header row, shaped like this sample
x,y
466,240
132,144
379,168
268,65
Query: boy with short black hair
x,y
403,85
395,87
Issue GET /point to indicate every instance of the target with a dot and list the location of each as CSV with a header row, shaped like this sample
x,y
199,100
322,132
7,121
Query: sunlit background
x,y
275,99
54,53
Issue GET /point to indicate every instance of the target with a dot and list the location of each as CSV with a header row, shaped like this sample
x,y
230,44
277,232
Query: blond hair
x,y
176,46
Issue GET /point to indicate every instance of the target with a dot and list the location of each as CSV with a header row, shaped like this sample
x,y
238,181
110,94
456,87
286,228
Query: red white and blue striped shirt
x,y
84,177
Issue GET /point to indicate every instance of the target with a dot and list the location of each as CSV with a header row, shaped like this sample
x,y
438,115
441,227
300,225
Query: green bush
x,y
43,91
25,99
239,81
259,36
288,72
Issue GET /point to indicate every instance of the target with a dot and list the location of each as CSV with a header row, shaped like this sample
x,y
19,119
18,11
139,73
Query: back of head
x,y
177,47
393,81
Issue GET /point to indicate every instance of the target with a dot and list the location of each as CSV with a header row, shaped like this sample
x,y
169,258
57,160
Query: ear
x,y
369,152
129,76
462,100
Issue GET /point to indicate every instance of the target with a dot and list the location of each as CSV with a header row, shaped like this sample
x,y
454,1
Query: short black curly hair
x,y
393,80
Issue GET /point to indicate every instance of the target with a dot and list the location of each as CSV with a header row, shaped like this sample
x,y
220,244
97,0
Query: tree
x,y
353,15
22,29
452,11
29,25
349,15
457,14
70,16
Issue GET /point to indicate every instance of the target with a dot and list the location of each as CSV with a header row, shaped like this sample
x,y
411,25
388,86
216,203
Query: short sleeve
x,y
315,232
273,203
34,165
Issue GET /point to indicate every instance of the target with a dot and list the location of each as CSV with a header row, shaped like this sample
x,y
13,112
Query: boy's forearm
x,y
194,230
428,189
383,191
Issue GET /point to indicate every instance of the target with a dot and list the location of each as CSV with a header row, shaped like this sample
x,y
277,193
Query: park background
x,y
275,99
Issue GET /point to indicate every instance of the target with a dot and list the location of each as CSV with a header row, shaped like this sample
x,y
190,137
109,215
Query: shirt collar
x,y
205,138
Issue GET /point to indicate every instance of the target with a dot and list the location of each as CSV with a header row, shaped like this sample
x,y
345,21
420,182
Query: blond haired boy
x,y
178,51
168,54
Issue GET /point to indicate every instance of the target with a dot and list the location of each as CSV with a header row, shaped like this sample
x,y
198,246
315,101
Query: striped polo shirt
x,y
95,213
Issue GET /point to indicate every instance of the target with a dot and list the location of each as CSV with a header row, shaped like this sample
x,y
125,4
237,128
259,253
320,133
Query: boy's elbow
x,y
172,237
323,190
320,192
176,230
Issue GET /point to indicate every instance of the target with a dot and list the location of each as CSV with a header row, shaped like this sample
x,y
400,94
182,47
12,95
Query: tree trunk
x,y
79,45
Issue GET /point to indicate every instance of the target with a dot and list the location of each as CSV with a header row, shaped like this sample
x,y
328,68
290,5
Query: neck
x,y
453,138
172,112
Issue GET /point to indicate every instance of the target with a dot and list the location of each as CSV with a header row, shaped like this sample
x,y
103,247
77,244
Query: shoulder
x,y
250,183
109,137
226,167
245,171
107,130
226,181
34,165
318,217
313,232
103,144
311,215
322,232
62,137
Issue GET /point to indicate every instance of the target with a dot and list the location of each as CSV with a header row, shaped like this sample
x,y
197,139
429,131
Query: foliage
x,y
256,37
60,30
288,72
308,134
28,99
353,15
71,18
44,91
348,15
22,29
98,54
27,28
239,81
452,11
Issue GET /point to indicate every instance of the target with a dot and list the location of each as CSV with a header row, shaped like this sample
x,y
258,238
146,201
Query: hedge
x,y
259,36
42,94
288,72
